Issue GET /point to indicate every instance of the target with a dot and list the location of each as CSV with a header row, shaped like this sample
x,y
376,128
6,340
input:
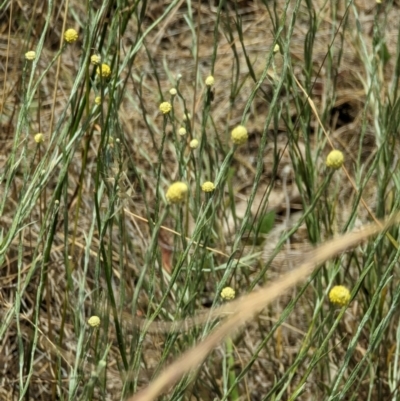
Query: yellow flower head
x,y
177,192
210,80
97,99
94,321
335,159
339,295
194,143
70,35
104,70
31,55
39,137
173,91
227,293
187,117
165,107
208,186
239,135
95,59
276,48
182,131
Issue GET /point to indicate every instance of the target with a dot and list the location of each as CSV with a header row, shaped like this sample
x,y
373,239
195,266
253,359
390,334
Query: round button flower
x,y
210,80
165,107
177,192
239,135
339,295
104,71
173,91
182,131
276,48
208,186
194,143
39,137
227,293
31,55
97,99
95,59
70,35
94,321
335,159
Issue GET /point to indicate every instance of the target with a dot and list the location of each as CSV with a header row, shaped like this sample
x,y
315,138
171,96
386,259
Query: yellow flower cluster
x,y
182,131
70,35
94,321
194,143
227,293
39,137
335,159
95,59
208,186
239,135
210,80
339,295
31,55
104,71
97,99
177,192
165,107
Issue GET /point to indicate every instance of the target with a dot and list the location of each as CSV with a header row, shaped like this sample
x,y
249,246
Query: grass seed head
x,y
177,192
339,295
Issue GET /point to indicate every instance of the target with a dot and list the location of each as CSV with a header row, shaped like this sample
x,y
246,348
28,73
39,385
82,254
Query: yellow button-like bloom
x,y
165,107
31,55
239,135
177,192
210,80
182,131
194,143
94,321
339,295
227,293
335,159
97,99
95,59
208,186
39,137
276,48
105,70
70,35
173,91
